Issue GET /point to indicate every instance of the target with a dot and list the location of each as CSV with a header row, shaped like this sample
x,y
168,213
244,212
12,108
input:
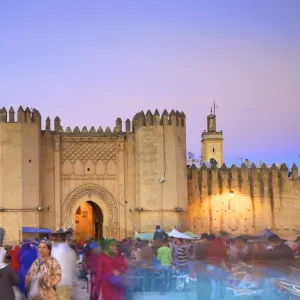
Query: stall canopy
x,y
144,236
176,234
190,234
35,230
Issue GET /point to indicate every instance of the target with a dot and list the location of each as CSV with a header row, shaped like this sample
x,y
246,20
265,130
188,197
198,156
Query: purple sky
x,y
90,62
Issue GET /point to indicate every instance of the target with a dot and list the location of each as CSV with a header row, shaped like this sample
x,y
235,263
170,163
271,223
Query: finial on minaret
x,y
215,107
211,111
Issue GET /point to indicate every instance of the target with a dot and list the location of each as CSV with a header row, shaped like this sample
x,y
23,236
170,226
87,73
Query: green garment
x,y
164,255
108,243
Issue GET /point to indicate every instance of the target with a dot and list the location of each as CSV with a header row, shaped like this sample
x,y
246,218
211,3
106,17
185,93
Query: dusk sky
x,y
89,62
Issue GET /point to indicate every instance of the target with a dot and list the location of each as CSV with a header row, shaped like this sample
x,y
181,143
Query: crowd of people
x,y
47,268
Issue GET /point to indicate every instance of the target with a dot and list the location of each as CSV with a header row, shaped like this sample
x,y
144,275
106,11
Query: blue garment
x,y
93,245
27,256
157,264
215,275
167,277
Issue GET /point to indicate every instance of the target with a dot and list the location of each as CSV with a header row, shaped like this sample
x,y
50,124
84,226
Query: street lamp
x,y
231,196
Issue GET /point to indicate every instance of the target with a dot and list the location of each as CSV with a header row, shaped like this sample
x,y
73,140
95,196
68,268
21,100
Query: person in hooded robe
x,y
8,278
27,256
112,267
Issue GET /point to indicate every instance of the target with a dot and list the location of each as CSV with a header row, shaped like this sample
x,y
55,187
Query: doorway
x,y
88,221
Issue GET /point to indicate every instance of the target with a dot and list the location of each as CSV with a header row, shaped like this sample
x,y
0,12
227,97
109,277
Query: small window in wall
x,y
213,149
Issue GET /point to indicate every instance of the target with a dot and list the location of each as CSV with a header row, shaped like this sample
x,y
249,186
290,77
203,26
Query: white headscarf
x,y
2,258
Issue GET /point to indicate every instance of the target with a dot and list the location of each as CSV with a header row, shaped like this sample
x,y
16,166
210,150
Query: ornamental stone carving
x,y
89,190
148,146
57,143
147,166
121,146
89,150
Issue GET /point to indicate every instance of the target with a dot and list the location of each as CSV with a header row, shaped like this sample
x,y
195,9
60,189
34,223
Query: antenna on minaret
x,y
215,107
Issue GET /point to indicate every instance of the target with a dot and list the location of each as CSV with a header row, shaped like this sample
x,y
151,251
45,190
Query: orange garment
x,y
15,264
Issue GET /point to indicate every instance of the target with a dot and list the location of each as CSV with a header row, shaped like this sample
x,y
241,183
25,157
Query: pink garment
x,y
106,267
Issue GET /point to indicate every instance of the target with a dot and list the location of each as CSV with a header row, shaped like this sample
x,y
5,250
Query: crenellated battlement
x,y
22,116
139,120
173,119
84,130
243,176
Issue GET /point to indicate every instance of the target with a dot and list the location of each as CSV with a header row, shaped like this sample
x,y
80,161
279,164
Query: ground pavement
x,y
81,293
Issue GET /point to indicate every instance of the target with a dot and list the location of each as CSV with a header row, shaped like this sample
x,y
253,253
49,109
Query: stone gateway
x,y
113,182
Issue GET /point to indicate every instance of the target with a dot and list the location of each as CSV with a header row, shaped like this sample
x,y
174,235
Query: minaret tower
x,y
212,140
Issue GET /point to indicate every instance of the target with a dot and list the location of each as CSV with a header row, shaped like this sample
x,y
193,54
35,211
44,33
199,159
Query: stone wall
x,y
243,200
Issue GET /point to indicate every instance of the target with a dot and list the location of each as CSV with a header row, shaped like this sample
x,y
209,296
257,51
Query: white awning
x,y
176,234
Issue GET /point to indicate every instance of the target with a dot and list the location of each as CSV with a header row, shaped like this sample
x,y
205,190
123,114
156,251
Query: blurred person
x,y
109,275
15,263
8,278
240,251
296,247
92,262
278,256
277,261
147,266
46,270
258,269
203,284
159,236
27,256
67,259
217,259
164,255
182,256
136,253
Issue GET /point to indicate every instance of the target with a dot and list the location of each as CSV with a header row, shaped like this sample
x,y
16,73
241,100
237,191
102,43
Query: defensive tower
x,y
20,169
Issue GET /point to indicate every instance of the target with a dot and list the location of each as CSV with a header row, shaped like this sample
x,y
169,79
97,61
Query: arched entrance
x,y
101,198
88,221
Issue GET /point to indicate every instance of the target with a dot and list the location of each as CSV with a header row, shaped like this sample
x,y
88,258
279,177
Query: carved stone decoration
x,y
121,146
89,150
89,190
148,147
57,143
146,167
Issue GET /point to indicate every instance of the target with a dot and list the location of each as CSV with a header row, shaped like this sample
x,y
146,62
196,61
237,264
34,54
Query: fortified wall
x,y
244,200
136,175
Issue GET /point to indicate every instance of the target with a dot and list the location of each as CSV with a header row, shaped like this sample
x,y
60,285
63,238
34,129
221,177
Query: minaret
x,y
212,140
